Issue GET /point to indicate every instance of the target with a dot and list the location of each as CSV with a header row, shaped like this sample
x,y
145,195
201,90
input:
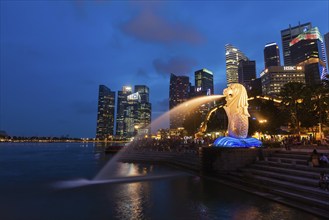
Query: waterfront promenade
x,y
277,174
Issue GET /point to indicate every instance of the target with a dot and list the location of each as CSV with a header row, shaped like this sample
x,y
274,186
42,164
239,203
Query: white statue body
x,y
236,109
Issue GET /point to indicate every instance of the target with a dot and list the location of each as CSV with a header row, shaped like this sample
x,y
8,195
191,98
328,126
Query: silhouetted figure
x,y
315,158
324,161
324,181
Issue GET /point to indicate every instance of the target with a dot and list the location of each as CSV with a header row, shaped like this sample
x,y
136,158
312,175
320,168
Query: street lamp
x,y
261,122
298,101
136,127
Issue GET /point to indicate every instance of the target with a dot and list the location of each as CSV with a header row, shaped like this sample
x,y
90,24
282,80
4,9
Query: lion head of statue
x,y
236,98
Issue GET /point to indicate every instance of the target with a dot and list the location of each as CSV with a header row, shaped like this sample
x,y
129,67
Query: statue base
x,y
237,142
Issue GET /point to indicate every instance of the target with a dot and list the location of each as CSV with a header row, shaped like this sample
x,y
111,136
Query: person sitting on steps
x,y
314,158
324,161
324,181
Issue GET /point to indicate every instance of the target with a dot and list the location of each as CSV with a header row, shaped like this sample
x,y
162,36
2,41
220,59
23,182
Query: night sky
x,y
54,54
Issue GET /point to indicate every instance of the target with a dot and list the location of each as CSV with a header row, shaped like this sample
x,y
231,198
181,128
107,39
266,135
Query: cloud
x,y
176,65
150,27
141,74
141,77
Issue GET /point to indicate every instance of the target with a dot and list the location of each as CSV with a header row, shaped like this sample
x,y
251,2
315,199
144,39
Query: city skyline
x,y
55,54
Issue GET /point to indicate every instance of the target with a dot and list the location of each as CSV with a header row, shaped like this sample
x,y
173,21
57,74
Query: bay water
x,y
30,173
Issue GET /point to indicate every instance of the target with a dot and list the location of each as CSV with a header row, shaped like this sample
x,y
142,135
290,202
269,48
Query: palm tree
x,y
315,106
321,101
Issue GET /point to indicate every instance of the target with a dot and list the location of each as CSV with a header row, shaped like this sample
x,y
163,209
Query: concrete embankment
x,y
189,160
276,174
280,175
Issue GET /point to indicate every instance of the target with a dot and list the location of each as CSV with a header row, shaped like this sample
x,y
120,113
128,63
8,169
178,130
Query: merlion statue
x,y
236,109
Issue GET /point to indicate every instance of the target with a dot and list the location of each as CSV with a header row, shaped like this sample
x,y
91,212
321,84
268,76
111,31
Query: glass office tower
x,y
287,35
105,113
233,56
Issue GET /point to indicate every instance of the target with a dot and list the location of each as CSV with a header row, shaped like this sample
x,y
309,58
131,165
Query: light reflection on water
x,y
28,195
131,207
107,171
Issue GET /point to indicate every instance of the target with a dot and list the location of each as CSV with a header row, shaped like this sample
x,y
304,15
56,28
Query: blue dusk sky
x,y
55,54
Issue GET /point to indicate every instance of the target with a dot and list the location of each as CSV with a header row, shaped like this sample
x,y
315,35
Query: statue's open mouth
x,y
228,92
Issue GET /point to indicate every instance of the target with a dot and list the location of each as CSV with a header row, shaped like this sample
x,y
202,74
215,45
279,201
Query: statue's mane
x,y
240,99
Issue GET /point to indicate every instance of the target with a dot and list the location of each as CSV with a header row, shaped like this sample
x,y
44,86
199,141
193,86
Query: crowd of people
x,y
290,140
319,160
168,145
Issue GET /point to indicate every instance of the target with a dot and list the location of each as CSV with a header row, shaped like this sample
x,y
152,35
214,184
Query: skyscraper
x,y
275,77
145,109
247,72
122,102
133,111
131,117
255,87
143,92
105,113
271,55
307,50
204,82
287,35
326,42
233,56
179,90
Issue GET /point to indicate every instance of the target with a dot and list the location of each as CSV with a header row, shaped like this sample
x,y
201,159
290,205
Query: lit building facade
x,y
105,113
204,82
271,55
233,56
133,111
145,109
122,103
132,115
275,77
143,91
246,72
307,50
179,92
287,35
204,85
326,42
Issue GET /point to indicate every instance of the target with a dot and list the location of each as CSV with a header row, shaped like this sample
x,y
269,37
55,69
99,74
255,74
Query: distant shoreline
x,y
59,141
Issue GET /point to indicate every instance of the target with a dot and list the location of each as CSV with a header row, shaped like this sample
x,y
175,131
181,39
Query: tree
x,y
320,101
192,122
307,106
266,116
293,94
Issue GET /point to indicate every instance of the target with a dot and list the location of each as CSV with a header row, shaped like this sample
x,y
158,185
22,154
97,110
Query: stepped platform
x,y
285,177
